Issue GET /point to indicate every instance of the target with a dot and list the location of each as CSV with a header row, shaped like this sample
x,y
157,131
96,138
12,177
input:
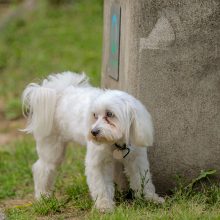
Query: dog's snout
x,y
95,132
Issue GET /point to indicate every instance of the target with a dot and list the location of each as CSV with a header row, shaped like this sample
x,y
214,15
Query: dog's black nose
x,y
95,132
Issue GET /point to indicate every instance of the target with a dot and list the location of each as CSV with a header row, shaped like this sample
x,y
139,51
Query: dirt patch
x,y
16,203
9,129
2,215
11,11
4,8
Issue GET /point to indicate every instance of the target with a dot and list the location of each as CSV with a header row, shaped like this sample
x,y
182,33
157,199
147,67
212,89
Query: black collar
x,y
123,147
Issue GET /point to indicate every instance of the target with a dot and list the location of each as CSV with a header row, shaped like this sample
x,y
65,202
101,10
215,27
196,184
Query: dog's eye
x,y
109,114
95,116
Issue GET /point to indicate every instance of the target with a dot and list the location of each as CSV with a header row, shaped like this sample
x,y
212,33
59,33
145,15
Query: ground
x,y
53,39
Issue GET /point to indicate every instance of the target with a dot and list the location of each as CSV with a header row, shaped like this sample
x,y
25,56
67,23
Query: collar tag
x,y
118,154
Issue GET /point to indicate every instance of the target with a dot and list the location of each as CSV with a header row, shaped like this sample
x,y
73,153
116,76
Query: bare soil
x,y
9,129
4,8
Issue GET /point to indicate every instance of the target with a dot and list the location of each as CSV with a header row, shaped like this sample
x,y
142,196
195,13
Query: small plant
x,y
144,181
79,196
48,205
203,175
200,188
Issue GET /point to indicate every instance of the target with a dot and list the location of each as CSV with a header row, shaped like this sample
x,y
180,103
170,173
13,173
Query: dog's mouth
x,y
99,139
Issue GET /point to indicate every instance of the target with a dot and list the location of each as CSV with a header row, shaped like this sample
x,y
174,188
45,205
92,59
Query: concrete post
x,y
168,57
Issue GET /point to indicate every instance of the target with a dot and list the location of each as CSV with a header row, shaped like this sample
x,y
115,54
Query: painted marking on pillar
x,y
114,44
161,37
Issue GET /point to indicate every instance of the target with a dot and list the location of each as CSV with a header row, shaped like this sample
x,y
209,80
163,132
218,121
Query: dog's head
x,y
118,117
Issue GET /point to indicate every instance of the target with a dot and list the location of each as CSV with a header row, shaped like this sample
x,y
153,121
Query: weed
x,y
47,206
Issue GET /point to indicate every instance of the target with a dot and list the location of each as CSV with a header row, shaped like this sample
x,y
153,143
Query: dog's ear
x,y
141,128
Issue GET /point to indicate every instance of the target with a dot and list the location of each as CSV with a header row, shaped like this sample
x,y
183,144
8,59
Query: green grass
x,y
15,165
54,39
71,196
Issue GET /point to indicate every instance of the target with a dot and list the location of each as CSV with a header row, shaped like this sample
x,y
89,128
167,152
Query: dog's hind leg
x,y
51,152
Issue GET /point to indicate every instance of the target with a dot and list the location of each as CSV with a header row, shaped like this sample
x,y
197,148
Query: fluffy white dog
x,y
113,124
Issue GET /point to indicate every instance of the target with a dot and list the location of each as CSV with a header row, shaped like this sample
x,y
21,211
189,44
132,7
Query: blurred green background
x,y
49,37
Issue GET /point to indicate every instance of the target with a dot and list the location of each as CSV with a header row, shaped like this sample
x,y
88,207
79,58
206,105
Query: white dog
x,y
113,124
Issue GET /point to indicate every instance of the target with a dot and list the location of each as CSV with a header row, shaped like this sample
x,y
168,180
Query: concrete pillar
x,y
168,57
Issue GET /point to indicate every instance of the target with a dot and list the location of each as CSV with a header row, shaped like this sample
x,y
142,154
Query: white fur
x,y
66,108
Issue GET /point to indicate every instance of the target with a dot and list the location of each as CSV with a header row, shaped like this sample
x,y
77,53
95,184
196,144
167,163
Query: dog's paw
x,y
159,200
104,206
42,195
155,198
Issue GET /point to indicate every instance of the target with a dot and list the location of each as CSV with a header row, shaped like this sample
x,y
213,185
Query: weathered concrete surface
x,y
177,76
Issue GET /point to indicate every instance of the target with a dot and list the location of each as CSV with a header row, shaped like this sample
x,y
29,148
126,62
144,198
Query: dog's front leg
x,y
99,172
138,171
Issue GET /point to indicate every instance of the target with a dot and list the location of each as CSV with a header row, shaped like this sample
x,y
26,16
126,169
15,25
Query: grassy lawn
x,y
55,39
72,201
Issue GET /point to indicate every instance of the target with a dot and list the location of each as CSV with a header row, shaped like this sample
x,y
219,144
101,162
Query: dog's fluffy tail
x,y
39,107
39,101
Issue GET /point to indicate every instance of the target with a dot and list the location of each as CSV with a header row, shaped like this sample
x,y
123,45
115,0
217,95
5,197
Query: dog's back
x,y
61,81
39,100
